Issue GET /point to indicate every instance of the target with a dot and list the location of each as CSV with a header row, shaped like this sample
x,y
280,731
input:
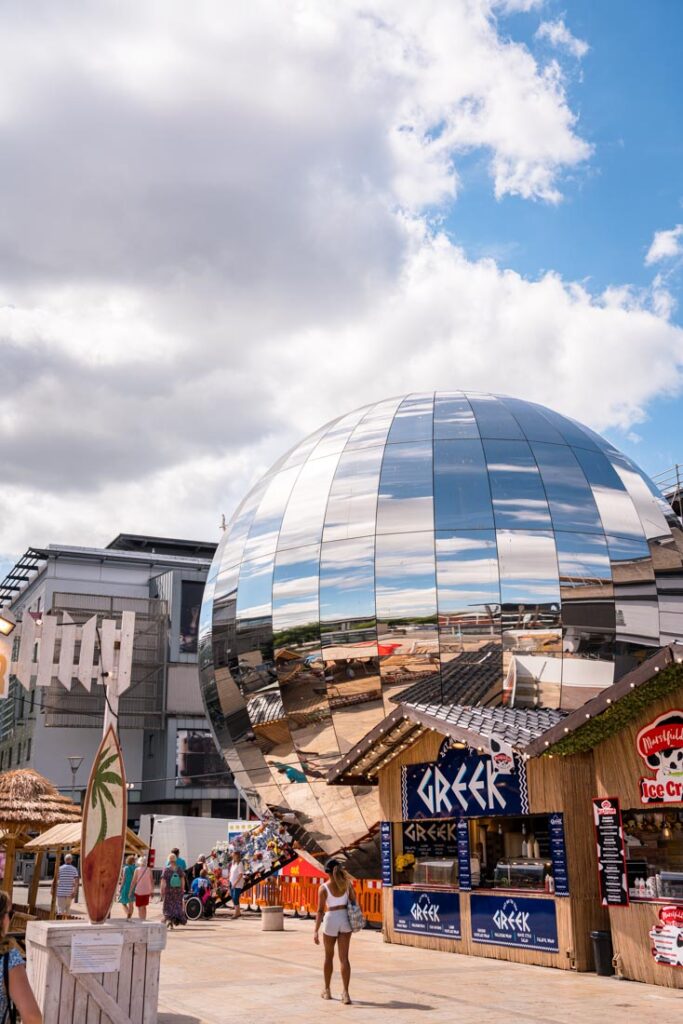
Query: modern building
x,y
452,549
172,763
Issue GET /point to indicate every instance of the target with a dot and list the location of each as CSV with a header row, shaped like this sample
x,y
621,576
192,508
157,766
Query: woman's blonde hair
x,y
339,876
130,859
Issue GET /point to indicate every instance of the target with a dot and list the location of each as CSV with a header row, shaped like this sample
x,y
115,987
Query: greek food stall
x,y
485,850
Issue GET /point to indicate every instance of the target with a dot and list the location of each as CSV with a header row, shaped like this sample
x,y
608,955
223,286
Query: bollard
x,y
272,919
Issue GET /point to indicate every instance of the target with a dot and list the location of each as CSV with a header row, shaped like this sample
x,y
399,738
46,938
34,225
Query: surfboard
x,y
103,834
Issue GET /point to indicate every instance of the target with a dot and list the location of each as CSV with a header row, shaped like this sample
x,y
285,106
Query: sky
x,y
222,226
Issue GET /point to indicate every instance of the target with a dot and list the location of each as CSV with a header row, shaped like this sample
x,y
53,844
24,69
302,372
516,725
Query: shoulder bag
x,y
356,915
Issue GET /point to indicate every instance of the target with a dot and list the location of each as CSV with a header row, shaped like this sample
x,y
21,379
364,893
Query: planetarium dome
x,y
448,548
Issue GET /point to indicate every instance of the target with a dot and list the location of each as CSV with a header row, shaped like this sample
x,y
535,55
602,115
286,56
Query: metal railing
x,y
670,483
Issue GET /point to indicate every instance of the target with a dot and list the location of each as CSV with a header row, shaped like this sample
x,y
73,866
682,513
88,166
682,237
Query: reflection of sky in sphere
x,y
463,547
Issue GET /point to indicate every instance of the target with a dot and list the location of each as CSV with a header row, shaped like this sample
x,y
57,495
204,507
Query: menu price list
x,y
609,835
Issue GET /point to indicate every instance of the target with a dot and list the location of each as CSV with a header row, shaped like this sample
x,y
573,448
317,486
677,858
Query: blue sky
x,y
628,94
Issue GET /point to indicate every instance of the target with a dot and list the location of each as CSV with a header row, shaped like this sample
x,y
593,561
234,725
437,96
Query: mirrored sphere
x,y
448,548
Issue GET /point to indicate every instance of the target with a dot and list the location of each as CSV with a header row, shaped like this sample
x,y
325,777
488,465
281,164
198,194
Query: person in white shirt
x,y
67,885
236,882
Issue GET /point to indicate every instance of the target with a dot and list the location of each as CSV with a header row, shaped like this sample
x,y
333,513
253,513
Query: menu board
x,y
385,851
558,854
464,864
519,921
609,835
430,838
427,912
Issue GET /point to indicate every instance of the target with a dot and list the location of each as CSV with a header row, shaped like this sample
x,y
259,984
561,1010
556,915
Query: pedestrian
x,y
333,903
126,898
172,889
67,885
180,862
198,867
236,879
142,887
14,976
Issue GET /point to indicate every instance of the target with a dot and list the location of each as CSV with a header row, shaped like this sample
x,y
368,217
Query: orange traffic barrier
x,y
301,896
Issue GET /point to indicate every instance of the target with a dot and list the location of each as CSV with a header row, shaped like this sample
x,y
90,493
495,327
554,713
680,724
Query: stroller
x,y
198,906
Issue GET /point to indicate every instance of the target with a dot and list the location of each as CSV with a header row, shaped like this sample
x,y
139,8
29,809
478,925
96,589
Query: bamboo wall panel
x,y
630,927
425,748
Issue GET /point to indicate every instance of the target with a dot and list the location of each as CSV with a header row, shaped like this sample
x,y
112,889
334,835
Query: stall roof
x,y
516,726
69,834
639,676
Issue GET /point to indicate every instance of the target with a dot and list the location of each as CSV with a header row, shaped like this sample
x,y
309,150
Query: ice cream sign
x,y
660,744
667,937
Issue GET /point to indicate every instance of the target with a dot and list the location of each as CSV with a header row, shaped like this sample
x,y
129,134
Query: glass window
x,y
413,420
347,584
462,495
571,501
652,519
528,569
493,419
352,506
305,513
630,556
295,598
519,500
406,488
635,592
254,593
374,427
654,855
453,418
265,527
617,511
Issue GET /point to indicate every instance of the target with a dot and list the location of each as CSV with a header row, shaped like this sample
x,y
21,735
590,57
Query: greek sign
x,y
660,745
522,922
430,838
667,937
558,854
427,912
609,836
462,784
385,851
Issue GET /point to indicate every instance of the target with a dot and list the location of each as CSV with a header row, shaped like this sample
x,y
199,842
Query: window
x,y
654,854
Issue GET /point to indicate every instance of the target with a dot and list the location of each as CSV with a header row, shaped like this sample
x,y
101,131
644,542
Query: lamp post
x,y
75,762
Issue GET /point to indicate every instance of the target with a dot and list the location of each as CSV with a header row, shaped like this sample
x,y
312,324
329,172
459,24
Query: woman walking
x,y
142,887
172,889
236,879
333,902
126,898
15,985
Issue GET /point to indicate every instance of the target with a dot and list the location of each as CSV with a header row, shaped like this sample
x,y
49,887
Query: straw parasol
x,y
29,803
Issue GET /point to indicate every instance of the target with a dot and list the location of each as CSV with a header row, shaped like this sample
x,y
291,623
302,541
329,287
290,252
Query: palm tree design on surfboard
x,y
103,833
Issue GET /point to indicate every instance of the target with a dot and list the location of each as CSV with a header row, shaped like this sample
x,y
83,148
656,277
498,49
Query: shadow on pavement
x,y
177,1018
392,1004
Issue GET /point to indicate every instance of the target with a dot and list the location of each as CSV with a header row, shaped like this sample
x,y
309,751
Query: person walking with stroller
x,y
172,890
236,879
333,903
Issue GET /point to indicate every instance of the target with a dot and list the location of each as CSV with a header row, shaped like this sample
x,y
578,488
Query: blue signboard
x,y
427,912
462,784
464,864
514,921
558,854
385,851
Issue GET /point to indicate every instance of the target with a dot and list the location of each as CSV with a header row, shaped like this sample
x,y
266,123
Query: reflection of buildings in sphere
x,y
438,550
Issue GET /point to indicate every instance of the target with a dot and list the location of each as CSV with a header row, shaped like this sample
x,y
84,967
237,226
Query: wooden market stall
x,y
29,805
488,836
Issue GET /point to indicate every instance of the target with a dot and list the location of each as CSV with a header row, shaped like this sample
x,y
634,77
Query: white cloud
x,y
559,36
217,236
515,6
665,245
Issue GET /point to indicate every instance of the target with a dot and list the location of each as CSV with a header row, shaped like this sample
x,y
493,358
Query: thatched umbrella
x,y
29,803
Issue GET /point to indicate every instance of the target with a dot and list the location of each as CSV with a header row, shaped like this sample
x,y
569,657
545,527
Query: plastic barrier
x,y
369,895
301,897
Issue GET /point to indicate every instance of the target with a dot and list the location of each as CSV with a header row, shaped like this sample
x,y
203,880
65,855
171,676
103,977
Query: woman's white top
x,y
335,902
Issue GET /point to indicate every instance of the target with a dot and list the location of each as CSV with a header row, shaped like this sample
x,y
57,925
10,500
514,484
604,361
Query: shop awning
x,y
517,727
69,835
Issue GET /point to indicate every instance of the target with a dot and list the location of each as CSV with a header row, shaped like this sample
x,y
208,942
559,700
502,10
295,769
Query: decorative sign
x,y
464,864
385,851
667,937
508,921
609,834
660,744
95,952
103,833
430,838
427,912
462,783
558,854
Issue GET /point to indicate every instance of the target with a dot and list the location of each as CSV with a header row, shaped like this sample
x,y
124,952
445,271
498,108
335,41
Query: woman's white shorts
x,y
336,922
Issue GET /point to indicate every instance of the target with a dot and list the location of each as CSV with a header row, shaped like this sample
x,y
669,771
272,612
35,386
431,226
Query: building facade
x,y
172,763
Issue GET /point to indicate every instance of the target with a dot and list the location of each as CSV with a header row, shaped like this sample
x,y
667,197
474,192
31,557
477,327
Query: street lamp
x,y
75,763
6,624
